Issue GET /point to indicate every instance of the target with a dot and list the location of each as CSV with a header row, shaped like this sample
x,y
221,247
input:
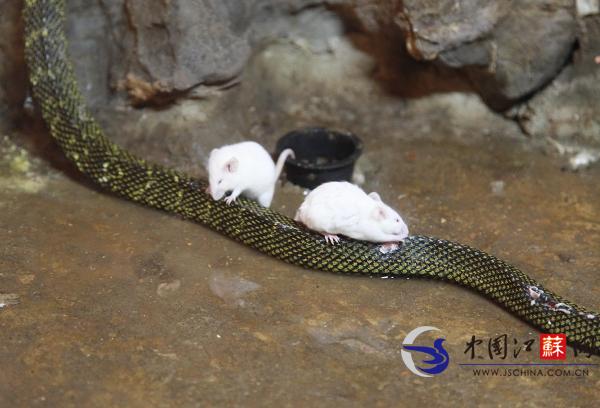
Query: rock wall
x,y
529,59
568,110
12,65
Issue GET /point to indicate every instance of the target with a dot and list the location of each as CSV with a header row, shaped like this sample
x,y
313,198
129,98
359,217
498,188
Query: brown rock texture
x,y
133,53
12,65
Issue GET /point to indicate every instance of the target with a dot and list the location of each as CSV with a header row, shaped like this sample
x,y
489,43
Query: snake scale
x,y
83,142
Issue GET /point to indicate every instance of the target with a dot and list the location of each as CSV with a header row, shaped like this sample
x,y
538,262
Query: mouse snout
x,y
216,194
404,230
400,228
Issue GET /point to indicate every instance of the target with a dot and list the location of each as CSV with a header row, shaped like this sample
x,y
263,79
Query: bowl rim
x,y
349,160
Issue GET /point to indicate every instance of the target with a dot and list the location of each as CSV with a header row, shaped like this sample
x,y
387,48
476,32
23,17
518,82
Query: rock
x,y
567,110
583,159
190,52
184,43
13,81
92,44
161,51
587,7
9,299
436,27
492,42
231,289
152,49
497,187
517,65
165,289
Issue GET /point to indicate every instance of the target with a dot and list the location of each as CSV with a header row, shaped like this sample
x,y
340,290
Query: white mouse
x,y
342,208
244,168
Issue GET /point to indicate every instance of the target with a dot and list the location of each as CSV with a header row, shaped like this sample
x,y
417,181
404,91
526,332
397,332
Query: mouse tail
x,y
281,161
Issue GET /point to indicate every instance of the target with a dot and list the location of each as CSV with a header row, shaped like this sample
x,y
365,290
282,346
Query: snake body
x,y
83,142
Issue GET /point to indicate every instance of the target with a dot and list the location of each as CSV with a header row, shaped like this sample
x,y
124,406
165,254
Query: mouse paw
x,y
331,239
230,200
389,247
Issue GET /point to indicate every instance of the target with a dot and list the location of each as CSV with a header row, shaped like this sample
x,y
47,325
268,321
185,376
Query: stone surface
x,y
269,102
157,51
520,64
503,47
172,53
162,51
567,110
436,27
12,72
587,7
95,33
185,43
125,306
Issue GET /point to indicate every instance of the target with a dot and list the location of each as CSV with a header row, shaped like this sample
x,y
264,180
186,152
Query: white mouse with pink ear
x,y
341,208
244,168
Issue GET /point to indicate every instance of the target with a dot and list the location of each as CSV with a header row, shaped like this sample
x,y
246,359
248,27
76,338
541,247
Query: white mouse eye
x,y
220,181
398,220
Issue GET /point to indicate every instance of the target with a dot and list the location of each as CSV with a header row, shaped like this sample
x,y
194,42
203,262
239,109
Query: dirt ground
x,y
120,305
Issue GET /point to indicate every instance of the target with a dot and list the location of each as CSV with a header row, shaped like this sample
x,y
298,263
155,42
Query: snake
x,y
80,137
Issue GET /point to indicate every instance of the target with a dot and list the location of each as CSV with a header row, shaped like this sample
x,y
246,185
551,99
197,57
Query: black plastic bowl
x,y
322,155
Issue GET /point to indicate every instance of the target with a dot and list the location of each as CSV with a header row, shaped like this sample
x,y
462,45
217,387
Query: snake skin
x,y
116,170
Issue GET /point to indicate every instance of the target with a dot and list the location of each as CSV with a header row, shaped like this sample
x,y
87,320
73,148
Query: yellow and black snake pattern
x,y
83,142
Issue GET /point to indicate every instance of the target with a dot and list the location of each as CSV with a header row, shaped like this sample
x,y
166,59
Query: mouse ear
x,y
213,152
375,196
232,165
378,213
